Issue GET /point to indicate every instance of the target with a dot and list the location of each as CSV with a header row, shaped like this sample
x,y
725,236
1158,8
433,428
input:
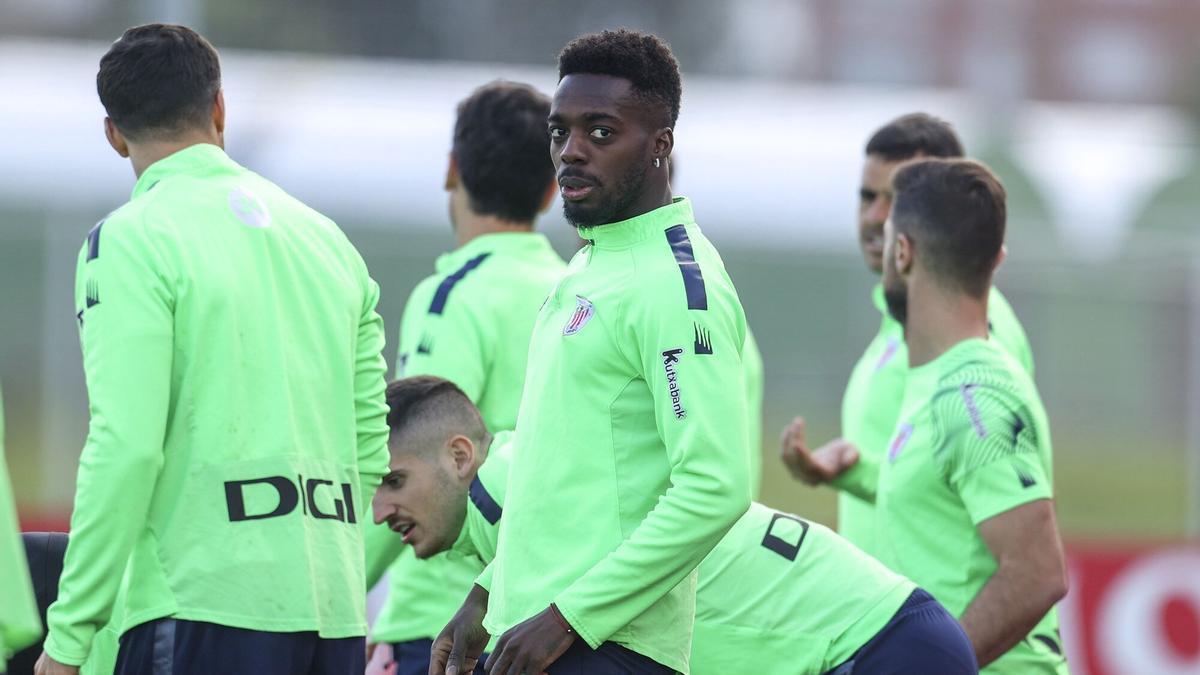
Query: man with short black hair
x,y
632,428
470,323
964,496
871,402
232,355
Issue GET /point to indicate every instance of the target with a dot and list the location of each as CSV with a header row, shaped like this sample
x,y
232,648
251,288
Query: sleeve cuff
x,y
581,629
67,657
861,479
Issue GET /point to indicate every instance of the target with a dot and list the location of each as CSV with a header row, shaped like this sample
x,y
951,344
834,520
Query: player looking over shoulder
x,y
964,496
629,425
238,424
470,323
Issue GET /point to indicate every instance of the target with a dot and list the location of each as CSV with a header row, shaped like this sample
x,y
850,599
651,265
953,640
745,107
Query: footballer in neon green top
x,y
233,360
20,625
871,403
470,323
964,493
777,595
630,459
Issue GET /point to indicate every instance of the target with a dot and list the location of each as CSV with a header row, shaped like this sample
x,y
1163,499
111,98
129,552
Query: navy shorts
x,y
178,647
412,657
921,638
608,659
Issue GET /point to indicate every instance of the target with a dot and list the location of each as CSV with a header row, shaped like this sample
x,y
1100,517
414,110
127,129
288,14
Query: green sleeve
x,y
861,479
484,580
448,345
383,546
992,458
752,361
126,333
701,420
370,404
20,625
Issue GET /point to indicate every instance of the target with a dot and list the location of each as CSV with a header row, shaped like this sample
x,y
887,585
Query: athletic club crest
x,y
584,309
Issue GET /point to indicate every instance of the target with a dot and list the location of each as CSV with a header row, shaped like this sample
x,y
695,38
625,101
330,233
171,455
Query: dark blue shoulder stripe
x,y
93,240
693,278
443,290
484,502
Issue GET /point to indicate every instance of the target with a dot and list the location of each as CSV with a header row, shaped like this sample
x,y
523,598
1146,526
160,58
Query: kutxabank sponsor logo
x,y
670,359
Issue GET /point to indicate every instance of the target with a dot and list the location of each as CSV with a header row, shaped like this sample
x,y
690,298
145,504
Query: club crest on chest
x,y
584,311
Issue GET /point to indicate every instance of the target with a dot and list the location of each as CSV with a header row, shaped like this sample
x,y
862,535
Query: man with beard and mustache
x,y
964,499
630,460
871,402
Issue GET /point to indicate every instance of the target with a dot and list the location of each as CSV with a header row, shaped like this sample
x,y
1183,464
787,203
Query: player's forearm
x,y
112,501
1008,607
370,404
685,525
861,479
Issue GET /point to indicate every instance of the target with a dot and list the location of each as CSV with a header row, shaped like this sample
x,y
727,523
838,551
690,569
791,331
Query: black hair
x,y
915,134
954,212
503,151
158,79
424,401
643,59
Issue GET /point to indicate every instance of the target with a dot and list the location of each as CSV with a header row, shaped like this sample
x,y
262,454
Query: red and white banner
x,y
1133,610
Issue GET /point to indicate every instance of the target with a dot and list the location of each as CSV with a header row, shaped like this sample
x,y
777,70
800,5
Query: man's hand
x,y
531,646
814,467
46,665
457,648
379,660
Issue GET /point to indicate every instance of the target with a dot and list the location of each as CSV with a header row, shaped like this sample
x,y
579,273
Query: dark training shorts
x,y
412,657
178,647
921,638
609,659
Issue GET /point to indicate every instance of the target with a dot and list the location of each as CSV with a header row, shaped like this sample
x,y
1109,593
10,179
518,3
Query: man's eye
x,y
867,196
601,133
394,481
557,132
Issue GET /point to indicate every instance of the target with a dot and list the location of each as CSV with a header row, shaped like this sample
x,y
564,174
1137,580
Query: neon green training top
x,y
238,422
972,442
630,460
778,594
469,323
783,595
872,400
20,625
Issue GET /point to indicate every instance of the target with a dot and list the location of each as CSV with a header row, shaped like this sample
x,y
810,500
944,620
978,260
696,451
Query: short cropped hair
x,y
159,79
503,151
954,212
643,59
915,134
424,405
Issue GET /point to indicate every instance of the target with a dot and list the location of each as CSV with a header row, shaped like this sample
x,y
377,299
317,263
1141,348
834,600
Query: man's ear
x,y
218,114
115,138
905,254
452,174
664,143
462,454
1000,257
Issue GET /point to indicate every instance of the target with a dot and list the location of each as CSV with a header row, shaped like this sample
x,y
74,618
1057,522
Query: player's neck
x,y
145,153
656,196
939,319
471,226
